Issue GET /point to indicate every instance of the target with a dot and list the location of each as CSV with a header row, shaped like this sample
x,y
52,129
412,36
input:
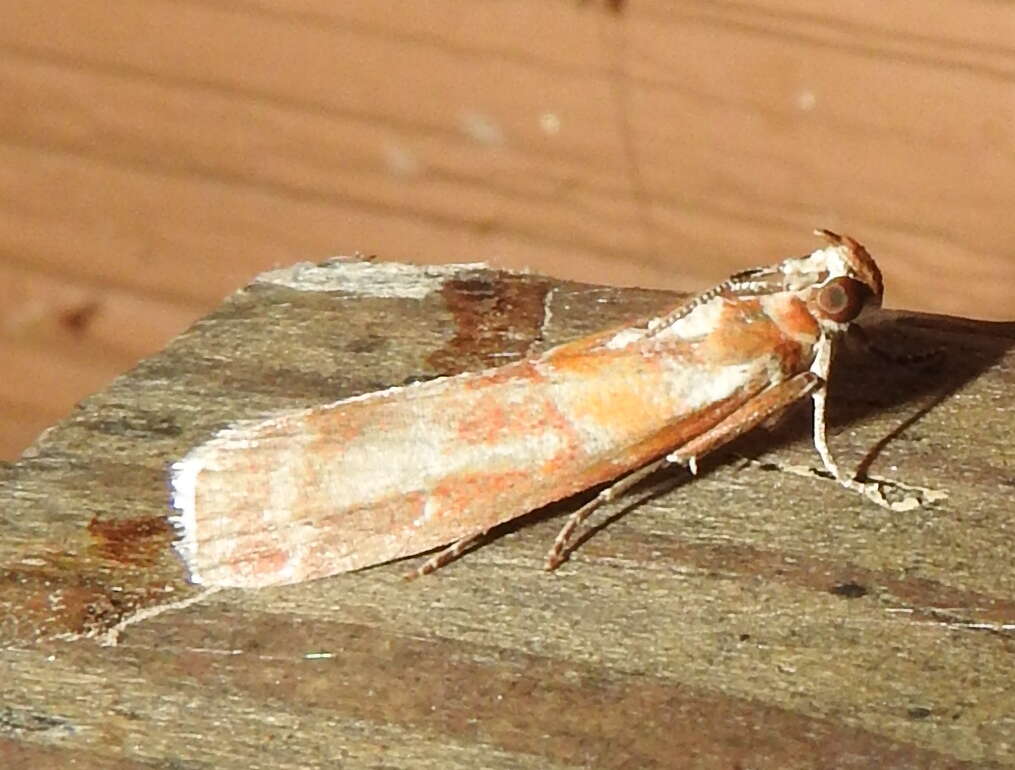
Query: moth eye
x,y
842,299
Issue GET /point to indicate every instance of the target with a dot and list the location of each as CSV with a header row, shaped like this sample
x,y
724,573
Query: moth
x,y
313,492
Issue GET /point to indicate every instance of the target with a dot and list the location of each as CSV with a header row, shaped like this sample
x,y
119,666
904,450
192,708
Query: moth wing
x,y
315,492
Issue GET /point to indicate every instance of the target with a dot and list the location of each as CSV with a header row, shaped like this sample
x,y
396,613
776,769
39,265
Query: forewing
x,y
324,490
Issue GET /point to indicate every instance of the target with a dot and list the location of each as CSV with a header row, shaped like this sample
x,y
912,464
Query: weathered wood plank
x,y
749,616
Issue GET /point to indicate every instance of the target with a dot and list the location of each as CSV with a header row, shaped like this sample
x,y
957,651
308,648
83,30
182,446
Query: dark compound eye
x,y
842,299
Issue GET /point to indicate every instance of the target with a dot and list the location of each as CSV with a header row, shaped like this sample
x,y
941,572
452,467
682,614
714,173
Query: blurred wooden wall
x,y
155,154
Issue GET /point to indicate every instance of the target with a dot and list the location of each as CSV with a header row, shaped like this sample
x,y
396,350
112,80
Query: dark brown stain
x,y
58,596
497,319
929,599
848,590
139,541
518,702
78,318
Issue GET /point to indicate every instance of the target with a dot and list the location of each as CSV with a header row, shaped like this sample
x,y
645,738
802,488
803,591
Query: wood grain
x,y
168,151
748,617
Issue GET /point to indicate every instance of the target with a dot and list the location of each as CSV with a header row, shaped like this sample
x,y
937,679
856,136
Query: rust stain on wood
x,y
496,317
138,541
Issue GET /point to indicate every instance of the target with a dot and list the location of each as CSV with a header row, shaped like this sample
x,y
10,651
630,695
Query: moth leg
x,y
872,490
560,545
746,417
448,555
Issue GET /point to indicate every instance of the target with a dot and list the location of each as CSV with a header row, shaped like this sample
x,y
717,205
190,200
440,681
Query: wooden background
x,y
154,155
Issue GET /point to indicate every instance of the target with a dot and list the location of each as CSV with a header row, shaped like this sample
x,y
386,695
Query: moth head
x,y
837,282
